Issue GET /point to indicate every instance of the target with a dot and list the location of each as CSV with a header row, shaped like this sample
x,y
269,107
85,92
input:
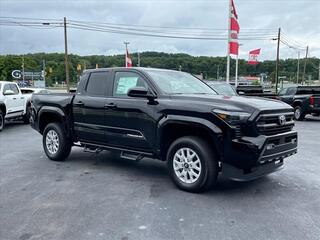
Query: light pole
x,y
237,66
298,67
126,44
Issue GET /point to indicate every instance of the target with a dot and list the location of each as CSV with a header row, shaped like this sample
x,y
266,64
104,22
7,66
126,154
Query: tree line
x,y
209,67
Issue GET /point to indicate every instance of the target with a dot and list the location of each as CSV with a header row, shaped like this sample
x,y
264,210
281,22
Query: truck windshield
x,y
174,82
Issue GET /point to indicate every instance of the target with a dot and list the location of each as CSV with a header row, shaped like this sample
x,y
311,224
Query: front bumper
x,y
252,157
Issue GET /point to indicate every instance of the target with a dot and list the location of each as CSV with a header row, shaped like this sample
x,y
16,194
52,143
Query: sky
x,y
299,21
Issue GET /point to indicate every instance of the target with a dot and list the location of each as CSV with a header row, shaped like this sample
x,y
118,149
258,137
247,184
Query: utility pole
x,y
126,43
138,59
298,67
319,73
305,65
277,62
66,53
44,71
23,70
218,74
228,51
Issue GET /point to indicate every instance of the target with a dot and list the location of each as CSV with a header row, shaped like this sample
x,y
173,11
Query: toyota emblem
x,y
282,120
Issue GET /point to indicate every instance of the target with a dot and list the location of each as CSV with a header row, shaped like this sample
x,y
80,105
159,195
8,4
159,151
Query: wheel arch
x,y
3,108
173,127
50,114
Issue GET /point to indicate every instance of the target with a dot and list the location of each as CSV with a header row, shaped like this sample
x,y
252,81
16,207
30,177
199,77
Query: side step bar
x,y
131,156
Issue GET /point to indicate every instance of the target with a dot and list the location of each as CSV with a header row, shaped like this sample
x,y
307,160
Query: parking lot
x,y
101,197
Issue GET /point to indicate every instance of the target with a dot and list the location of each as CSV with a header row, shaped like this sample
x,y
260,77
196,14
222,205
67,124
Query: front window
x,y
126,80
173,82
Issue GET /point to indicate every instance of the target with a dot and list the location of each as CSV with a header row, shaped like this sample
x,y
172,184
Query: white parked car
x,y
13,104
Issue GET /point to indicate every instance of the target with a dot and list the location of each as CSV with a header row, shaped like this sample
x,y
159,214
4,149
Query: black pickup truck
x,y
171,116
304,99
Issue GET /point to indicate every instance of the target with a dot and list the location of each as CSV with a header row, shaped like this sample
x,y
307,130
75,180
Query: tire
x,y
55,142
195,174
1,120
26,117
298,113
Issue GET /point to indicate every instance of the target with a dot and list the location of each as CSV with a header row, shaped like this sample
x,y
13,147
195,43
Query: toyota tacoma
x,y
171,116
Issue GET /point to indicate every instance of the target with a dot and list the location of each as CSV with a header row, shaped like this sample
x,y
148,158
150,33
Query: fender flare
x,y
50,109
187,120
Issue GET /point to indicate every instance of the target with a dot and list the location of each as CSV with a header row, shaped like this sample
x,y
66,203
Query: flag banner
x,y
253,56
128,59
234,31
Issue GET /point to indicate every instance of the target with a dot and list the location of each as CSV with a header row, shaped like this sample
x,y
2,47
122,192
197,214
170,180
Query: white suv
x,y
12,103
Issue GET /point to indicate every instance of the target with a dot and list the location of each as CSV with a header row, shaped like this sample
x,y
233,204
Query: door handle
x,y
79,104
14,98
110,106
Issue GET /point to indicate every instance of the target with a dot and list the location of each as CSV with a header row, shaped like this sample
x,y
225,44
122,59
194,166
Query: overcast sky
x,y
299,20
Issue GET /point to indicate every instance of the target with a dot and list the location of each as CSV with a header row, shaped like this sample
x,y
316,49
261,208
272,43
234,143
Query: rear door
x,y
89,108
130,121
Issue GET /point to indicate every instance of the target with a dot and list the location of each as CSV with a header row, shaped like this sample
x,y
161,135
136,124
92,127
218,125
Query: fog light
x,y
270,146
293,140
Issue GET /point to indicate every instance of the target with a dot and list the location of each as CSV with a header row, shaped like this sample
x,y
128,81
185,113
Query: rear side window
x,y
14,88
97,83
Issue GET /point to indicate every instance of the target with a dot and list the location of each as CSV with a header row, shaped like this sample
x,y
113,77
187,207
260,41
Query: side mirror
x,y
8,92
140,92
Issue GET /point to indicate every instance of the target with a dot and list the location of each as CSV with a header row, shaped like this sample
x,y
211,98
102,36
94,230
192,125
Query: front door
x,y
129,121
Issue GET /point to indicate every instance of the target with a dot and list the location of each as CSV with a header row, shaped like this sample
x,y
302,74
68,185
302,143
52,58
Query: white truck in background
x,y
13,104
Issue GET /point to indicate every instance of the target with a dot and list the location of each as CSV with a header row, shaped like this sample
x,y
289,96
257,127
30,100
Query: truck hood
x,y
234,103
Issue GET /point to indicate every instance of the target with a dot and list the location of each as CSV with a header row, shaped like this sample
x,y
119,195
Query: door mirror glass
x,y
8,92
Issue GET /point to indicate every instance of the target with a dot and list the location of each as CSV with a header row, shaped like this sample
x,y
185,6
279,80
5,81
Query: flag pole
x,y
228,51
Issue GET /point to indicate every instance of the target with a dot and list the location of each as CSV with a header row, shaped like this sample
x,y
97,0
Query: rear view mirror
x,y
8,92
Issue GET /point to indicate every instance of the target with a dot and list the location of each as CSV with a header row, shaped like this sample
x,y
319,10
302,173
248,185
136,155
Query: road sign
x,y
16,74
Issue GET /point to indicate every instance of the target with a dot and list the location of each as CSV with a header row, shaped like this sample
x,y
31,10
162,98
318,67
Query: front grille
x,y
271,124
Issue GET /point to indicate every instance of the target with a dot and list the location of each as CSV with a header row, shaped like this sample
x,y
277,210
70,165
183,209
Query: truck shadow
x,y
155,172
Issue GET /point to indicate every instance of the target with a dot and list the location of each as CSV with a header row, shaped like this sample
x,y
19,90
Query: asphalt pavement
x,y
97,196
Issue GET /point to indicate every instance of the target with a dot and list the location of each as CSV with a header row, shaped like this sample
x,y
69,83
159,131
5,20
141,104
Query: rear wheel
x,y
26,117
55,142
192,164
298,113
1,120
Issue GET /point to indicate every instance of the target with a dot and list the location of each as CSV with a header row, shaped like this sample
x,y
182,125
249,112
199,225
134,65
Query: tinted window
x,y
97,83
125,80
14,88
291,91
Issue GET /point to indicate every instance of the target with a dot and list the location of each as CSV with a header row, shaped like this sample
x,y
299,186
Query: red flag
x,y
234,31
128,59
253,56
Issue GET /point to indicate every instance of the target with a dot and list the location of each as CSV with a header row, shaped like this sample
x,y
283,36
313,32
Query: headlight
x,y
232,118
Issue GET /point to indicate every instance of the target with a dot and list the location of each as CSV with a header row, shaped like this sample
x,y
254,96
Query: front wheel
x,y
192,164
298,113
55,142
1,120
